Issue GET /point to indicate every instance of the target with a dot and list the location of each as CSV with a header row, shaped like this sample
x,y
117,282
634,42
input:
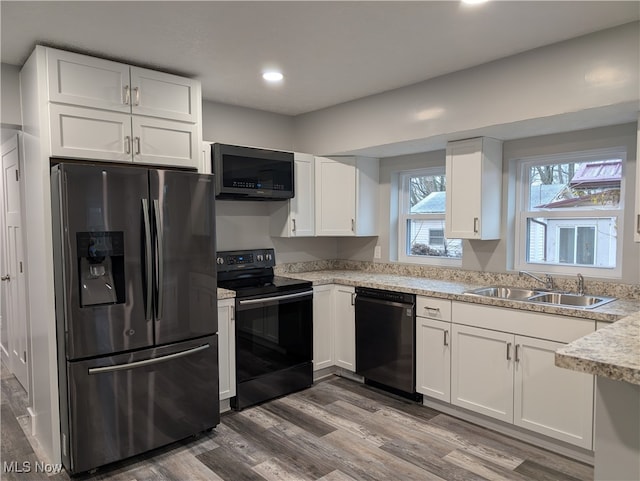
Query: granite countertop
x,y
454,290
225,294
612,352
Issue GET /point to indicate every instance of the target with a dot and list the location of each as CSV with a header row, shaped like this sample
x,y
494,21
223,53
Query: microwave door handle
x,y
147,259
160,259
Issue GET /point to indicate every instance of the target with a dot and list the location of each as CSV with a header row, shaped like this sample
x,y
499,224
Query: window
x,y
570,213
421,220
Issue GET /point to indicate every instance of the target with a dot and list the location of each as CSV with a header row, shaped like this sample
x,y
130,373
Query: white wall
x,y
239,125
585,82
10,95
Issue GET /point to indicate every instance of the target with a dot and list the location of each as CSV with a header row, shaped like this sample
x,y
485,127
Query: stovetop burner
x,y
250,273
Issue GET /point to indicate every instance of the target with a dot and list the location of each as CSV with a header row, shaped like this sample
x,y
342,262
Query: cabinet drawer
x,y
432,308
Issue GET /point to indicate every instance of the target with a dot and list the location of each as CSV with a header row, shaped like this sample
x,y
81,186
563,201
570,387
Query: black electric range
x,y
273,327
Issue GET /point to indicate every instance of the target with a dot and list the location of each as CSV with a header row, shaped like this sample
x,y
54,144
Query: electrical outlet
x,y
377,252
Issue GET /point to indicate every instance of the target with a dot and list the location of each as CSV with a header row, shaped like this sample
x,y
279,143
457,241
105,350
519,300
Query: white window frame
x,y
404,216
522,213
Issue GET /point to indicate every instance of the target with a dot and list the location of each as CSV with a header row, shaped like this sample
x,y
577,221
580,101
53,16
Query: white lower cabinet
x,y
550,400
482,371
513,378
345,327
433,348
227,348
323,327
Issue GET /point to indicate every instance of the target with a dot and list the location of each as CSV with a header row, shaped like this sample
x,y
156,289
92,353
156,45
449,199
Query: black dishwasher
x,y
385,340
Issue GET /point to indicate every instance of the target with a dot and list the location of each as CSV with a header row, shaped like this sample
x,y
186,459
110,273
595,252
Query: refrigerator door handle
x,y
148,261
160,258
147,362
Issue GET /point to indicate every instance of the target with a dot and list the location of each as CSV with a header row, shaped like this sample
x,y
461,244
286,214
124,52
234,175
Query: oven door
x,y
274,346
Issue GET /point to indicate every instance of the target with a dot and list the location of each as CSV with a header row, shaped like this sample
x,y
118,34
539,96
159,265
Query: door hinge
x,y
24,356
17,175
20,267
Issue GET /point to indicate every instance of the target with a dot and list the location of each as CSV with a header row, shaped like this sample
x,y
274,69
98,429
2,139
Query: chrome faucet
x,y
547,281
580,285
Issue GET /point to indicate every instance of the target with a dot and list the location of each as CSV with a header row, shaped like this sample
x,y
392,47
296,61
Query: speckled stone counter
x,y
225,294
454,290
612,352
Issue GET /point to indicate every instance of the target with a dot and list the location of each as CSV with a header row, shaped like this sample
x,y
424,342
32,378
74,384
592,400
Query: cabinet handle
x,y
476,223
517,355
638,224
137,142
137,101
127,144
353,298
293,222
127,95
446,338
353,225
508,351
232,314
432,309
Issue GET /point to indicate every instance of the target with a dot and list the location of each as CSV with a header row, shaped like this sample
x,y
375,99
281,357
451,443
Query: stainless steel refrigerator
x,y
136,309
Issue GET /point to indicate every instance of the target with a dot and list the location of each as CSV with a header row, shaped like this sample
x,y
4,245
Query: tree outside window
x,y
571,210
421,223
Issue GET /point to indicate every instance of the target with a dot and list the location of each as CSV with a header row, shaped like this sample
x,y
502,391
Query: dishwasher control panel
x,y
386,295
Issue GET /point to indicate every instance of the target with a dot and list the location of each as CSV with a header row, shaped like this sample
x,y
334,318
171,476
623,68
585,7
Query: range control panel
x,y
248,259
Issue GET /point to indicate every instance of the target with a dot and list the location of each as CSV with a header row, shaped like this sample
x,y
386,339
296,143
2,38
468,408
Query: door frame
x,y
14,142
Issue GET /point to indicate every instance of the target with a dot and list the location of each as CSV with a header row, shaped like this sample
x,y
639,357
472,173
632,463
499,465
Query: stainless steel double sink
x,y
542,296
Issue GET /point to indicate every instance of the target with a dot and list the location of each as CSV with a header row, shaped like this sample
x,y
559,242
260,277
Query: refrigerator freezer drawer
x,y
124,405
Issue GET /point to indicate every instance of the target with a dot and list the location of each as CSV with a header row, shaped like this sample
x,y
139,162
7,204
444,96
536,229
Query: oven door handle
x,y
244,302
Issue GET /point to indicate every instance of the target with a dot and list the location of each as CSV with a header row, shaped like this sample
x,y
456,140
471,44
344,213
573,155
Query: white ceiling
x,y
330,52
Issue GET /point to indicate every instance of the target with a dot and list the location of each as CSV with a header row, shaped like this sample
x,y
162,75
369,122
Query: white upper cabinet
x,y
87,81
160,94
102,84
106,110
164,142
474,189
296,217
346,196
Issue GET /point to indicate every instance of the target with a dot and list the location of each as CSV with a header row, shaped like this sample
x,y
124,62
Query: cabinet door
x,y
87,81
78,132
165,142
322,327
160,94
550,400
303,204
482,371
433,358
345,327
227,348
463,201
335,197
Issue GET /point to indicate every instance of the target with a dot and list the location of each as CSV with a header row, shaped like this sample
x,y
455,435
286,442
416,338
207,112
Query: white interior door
x,y
14,277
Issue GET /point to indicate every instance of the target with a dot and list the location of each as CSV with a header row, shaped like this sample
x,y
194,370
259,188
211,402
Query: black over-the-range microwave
x,y
249,173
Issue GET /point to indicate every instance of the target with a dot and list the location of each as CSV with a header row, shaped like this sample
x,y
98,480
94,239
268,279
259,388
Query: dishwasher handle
x,y
364,299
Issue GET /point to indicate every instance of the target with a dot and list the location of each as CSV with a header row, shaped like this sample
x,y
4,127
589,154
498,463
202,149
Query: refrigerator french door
x,y
136,312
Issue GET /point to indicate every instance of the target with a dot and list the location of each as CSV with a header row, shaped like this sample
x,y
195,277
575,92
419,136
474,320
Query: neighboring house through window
x,y
421,219
570,211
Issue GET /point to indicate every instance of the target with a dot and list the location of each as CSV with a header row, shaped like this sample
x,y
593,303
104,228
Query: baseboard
x,y
538,440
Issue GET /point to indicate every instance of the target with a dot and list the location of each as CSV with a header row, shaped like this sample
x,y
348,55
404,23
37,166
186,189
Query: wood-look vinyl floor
x,y
338,430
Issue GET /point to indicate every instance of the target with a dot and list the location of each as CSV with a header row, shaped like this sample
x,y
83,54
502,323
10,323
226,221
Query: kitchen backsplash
x,y
603,288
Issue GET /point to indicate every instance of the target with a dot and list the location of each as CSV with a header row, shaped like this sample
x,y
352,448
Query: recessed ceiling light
x,y
272,76
474,2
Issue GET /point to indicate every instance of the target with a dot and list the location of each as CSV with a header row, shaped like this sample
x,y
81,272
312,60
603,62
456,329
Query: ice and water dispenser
x,y
101,266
